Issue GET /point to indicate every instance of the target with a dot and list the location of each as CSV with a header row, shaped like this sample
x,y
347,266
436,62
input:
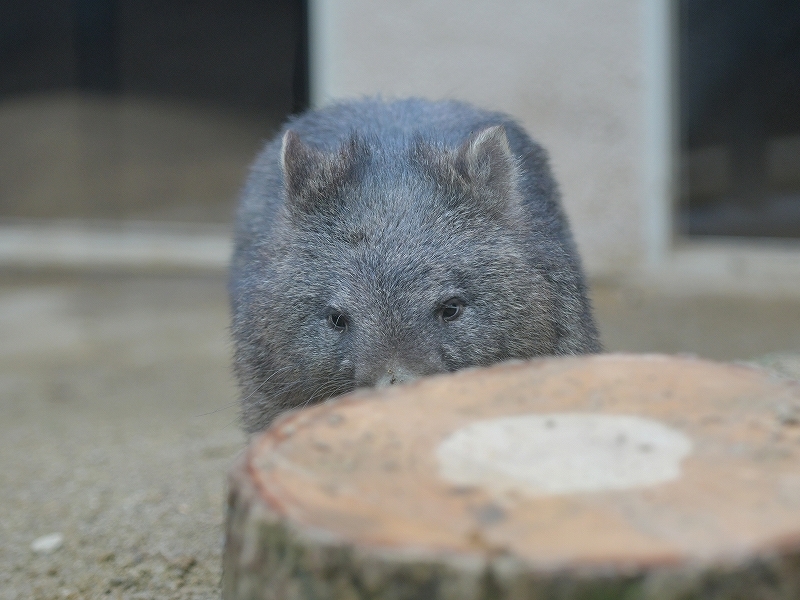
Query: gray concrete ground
x,y
707,320
119,419
118,424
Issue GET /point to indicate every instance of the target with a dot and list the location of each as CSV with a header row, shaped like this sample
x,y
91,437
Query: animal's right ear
x,y
483,167
311,177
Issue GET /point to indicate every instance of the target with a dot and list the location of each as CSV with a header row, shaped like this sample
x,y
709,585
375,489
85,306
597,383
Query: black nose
x,y
394,376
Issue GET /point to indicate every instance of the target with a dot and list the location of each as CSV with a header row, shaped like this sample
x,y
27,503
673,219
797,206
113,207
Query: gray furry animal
x,y
377,242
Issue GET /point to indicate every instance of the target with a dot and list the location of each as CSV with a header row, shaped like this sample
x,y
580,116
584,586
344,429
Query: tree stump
x,y
600,477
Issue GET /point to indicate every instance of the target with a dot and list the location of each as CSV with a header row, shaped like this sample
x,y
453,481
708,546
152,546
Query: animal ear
x,y
311,177
486,162
299,163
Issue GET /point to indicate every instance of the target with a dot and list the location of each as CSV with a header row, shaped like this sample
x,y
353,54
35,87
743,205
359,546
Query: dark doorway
x,y
146,110
739,95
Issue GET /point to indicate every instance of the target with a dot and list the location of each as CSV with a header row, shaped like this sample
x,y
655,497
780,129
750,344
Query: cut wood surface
x,y
609,476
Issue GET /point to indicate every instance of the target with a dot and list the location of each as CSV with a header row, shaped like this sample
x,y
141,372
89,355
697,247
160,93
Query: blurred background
x,y
117,109
126,129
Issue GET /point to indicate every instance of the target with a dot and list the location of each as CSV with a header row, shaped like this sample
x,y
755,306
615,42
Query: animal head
x,y
394,263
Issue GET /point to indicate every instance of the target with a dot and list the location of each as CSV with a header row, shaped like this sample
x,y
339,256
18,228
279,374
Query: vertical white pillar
x,y
321,40
660,128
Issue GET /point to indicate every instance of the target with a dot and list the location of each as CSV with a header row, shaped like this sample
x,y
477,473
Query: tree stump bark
x,y
600,477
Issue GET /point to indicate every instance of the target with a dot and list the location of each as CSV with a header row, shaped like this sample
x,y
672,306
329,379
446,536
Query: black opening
x,y
739,95
238,53
96,35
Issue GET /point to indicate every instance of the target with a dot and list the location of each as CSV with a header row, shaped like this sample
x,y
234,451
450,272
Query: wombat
x,y
378,242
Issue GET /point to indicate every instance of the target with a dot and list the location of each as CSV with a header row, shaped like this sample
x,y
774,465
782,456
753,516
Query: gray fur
x,y
382,211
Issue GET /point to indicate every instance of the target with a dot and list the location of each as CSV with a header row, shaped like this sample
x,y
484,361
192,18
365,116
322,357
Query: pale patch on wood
x,y
563,453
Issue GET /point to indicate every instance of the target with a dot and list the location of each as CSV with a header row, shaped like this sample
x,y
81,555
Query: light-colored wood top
x,y
608,460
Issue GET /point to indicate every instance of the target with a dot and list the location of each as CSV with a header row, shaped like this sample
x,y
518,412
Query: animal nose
x,y
395,376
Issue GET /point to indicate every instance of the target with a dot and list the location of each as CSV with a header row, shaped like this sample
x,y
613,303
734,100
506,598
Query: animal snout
x,y
394,376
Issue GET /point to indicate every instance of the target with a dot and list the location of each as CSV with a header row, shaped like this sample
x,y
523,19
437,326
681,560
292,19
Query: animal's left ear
x,y
485,161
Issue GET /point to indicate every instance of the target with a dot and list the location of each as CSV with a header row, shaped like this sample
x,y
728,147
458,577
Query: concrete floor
x,y
119,418
713,323
119,422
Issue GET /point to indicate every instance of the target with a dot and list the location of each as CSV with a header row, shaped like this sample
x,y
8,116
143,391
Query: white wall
x,y
577,73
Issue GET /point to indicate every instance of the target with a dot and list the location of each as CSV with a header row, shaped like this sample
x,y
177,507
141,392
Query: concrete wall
x,y
578,74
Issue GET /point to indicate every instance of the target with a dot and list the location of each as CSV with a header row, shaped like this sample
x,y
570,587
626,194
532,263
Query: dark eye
x,y
451,309
338,321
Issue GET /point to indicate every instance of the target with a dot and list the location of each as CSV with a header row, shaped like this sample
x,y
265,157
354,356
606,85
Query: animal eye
x,y
451,309
338,321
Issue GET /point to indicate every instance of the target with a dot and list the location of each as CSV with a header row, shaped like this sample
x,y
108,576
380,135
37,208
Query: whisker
x,y
225,407
263,383
255,391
